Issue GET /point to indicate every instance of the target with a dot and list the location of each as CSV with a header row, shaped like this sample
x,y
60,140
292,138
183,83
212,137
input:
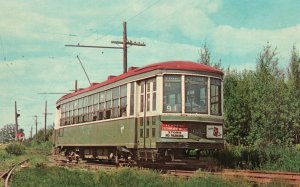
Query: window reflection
x,y
172,93
215,97
195,94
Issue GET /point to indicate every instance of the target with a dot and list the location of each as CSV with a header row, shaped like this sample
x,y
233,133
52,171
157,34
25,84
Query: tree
x,y
40,137
204,54
256,103
8,133
237,105
269,100
294,94
205,57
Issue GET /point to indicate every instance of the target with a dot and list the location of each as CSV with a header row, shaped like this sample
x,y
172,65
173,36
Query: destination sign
x,y
174,131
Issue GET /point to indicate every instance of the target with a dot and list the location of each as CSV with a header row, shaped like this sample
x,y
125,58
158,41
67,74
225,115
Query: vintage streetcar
x,y
157,113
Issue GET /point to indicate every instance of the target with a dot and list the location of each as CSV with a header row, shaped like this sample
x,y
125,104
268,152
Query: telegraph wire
x,y
132,17
170,14
144,10
2,49
108,23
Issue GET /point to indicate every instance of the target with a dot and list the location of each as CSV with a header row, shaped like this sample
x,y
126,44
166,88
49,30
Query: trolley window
x,y
108,104
101,105
123,100
154,96
95,106
142,85
215,97
196,94
131,98
172,93
115,102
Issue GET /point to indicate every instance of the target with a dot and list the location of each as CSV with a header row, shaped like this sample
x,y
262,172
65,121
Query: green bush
x,y
15,149
4,155
43,148
281,159
267,157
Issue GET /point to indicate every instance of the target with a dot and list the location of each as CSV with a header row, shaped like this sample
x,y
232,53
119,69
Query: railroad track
x,y
87,164
262,177
253,176
7,174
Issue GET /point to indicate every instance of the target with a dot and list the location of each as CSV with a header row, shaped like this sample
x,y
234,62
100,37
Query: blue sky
x,y
33,58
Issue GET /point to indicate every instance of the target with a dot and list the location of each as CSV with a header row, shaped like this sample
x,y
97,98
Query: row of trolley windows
x,y
113,103
149,123
147,134
196,94
104,105
148,93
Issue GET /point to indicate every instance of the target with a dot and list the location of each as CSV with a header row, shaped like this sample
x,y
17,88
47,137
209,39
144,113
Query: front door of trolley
x,y
146,108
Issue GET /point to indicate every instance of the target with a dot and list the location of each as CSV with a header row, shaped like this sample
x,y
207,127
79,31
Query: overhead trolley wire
x,y
131,18
108,23
144,10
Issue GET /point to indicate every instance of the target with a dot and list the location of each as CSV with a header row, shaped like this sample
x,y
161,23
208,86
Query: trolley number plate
x,y
174,131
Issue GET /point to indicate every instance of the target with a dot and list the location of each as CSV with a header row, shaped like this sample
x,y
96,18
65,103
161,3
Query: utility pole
x,y
31,133
2,136
45,131
124,48
35,121
125,43
45,120
16,121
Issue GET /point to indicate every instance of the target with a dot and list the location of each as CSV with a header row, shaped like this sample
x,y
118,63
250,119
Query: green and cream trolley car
x,y
157,112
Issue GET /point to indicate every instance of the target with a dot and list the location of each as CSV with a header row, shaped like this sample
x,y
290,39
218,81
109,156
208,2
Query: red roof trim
x,y
169,65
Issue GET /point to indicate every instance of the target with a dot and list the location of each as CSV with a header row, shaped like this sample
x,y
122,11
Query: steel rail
x,y
252,176
10,171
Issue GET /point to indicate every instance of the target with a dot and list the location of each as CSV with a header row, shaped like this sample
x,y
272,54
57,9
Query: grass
x,y
267,157
36,153
40,172
125,177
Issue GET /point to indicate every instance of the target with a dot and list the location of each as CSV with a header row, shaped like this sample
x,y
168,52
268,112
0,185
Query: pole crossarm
x,y
55,93
129,43
125,42
94,46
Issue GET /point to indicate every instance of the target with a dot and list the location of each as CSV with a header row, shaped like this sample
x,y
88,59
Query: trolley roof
x,y
168,65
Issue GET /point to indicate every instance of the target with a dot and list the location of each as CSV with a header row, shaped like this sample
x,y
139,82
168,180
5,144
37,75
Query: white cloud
x,y
166,18
249,42
213,6
243,41
22,20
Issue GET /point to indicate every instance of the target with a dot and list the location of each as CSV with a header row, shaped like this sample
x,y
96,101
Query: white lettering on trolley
x,y
174,131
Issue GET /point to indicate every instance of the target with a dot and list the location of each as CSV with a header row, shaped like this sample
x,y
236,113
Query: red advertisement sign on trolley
x,y
174,131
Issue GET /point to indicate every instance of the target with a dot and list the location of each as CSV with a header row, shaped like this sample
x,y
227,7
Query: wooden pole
x,y
16,121
45,130
124,48
35,119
